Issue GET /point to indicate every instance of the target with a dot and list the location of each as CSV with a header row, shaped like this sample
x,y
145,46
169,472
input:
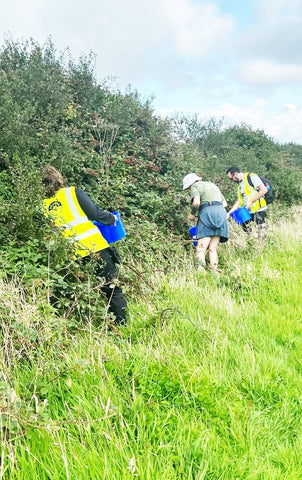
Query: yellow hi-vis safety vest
x,y
250,192
65,212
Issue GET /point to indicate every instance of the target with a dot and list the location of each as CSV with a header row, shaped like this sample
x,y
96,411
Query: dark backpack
x,y
269,196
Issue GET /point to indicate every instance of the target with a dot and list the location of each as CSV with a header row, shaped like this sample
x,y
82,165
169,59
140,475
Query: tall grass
x,y
204,383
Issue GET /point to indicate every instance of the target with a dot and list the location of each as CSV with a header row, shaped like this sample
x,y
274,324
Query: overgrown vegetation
x,y
204,383
53,111
205,377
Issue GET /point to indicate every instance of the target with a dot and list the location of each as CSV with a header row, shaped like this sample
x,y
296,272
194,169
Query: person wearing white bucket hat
x,y
209,204
189,179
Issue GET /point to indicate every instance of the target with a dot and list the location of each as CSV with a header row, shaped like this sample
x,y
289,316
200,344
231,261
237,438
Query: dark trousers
x,y
259,218
105,267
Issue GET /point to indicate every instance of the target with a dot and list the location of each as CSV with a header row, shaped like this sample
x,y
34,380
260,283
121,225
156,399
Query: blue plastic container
x,y
241,215
192,231
112,233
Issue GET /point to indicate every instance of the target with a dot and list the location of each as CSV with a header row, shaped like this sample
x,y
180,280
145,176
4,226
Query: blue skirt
x,y
212,221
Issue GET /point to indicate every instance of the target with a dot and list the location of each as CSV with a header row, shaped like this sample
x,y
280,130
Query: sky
x,y
240,60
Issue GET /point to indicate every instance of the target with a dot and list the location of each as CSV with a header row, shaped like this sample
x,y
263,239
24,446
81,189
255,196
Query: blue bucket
x,y
112,233
192,231
241,215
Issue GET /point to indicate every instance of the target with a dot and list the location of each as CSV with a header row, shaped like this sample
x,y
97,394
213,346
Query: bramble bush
x,y
127,158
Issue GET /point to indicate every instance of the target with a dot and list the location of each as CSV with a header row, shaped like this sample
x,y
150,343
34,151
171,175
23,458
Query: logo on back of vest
x,y
55,206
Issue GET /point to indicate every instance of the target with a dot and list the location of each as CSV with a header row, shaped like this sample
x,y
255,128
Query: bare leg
x,y
201,249
213,255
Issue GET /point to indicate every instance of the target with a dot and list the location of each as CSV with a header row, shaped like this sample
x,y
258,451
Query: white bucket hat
x,y
189,179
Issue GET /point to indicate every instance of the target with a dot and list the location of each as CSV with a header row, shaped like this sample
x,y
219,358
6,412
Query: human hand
x,y
191,216
248,204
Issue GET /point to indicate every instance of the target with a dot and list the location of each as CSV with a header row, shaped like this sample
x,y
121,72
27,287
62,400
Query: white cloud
x,y
264,72
276,32
189,51
197,29
133,39
162,39
272,10
283,125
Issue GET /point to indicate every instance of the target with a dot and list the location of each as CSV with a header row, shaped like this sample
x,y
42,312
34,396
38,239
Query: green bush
x,y
113,145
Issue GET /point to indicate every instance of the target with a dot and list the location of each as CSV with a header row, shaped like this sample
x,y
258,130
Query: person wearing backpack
x,y
251,194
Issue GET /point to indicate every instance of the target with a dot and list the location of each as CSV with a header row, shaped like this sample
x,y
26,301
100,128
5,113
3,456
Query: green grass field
x,y
204,383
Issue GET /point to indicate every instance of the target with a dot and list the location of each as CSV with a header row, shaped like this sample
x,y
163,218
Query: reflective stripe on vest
x,y
66,213
250,192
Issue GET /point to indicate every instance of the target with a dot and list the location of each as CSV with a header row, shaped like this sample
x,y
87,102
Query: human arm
x,y
234,207
194,207
93,212
261,191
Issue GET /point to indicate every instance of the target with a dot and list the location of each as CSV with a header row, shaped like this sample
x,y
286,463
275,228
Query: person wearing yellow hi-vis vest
x,y
251,194
71,210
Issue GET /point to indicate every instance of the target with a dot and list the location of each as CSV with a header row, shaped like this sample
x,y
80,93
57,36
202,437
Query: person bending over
x,y
209,204
73,212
